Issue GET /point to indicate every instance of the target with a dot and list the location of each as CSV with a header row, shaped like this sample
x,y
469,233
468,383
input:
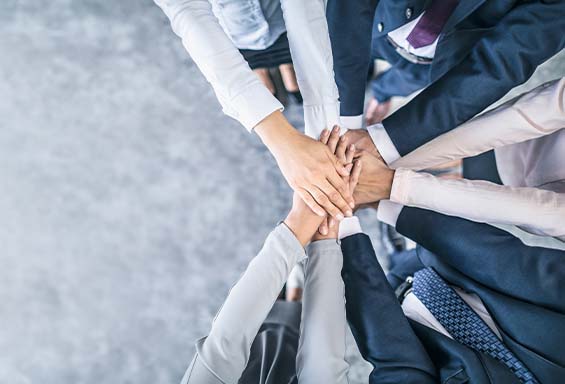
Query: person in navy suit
x,y
466,53
476,305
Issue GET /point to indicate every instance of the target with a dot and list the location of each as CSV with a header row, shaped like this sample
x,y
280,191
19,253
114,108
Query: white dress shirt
x,y
529,143
399,36
239,91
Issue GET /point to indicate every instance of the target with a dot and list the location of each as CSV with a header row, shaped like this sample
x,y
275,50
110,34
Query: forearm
x,y
503,58
350,27
239,91
481,201
382,332
226,350
533,114
308,36
321,350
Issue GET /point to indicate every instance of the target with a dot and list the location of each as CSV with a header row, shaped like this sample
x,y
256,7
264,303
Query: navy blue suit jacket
x,y
522,288
487,48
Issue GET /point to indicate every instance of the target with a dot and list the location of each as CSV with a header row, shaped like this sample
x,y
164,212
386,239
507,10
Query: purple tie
x,y
429,26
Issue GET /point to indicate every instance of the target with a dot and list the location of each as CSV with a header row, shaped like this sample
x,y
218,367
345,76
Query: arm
x,y
306,164
239,91
309,41
537,210
321,350
226,349
489,256
350,27
533,114
505,57
382,332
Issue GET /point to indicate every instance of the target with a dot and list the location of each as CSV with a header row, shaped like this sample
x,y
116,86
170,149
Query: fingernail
x,y
339,216
352,205
352,147
348,213
336,128
324,132
324,231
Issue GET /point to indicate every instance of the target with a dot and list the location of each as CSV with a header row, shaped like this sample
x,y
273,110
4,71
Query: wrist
x,y
388,180
274,130
302,225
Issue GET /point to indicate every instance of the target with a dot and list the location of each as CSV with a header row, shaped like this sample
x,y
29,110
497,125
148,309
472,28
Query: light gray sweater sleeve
x,y
225,352
321,349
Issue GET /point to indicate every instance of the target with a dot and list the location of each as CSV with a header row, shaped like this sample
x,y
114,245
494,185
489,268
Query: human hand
x,y
362,141
309,167
304,223
376,111
329,227
375,182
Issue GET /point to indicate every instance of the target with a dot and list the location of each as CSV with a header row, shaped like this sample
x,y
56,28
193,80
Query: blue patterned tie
x,y
462,323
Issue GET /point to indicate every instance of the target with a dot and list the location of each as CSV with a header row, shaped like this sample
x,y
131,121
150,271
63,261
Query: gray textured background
x,y
128,203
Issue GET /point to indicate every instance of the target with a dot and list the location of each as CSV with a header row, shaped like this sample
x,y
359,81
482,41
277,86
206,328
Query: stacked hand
x,y
309,166
302,221
375,182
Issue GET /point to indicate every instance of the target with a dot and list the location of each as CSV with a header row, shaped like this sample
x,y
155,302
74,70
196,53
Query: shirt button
x,y
380,27
408,13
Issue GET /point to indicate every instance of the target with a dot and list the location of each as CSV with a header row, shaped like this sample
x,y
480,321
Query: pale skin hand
x,y
303,222
309,167
344,154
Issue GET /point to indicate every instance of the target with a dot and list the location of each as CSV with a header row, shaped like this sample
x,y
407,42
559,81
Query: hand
x,y
329,227
375,182
309,167
376,111
304,223
362,141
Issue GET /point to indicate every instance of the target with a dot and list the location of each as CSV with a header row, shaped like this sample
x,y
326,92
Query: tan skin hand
x,y
375,182
309,167
362,141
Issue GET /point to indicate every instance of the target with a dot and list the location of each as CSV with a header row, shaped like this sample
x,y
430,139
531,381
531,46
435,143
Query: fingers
x,y
333,139
341,149
324,136
324,227
338,192
329,198
310,202
355,172
350,154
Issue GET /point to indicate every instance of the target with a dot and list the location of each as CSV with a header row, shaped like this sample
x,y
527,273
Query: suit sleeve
x,y
350,26
382,332
505,57
489,255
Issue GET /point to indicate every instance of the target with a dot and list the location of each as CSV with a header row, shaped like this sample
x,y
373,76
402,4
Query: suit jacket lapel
x,y
464,8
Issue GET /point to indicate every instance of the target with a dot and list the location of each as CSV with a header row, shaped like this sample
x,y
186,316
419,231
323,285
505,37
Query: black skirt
x,y
271,57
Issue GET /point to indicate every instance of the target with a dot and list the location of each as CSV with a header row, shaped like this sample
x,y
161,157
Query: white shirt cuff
x,y
384,144
351,122
320,116
253,105
388,212
349,226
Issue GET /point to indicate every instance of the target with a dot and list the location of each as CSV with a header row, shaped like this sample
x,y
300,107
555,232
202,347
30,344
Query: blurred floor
x,y
129,203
